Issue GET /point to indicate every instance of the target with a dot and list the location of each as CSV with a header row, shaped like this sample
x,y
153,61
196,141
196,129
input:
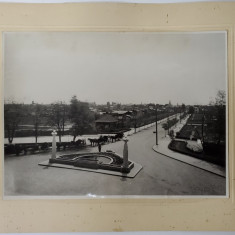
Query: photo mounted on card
x,y
115,114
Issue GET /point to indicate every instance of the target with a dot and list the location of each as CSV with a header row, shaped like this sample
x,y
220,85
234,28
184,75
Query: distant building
x,y
116,120
123,117
107,123
121,113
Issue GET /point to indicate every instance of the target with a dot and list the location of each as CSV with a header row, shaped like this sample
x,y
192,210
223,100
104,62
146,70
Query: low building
x,y
107,123
123,117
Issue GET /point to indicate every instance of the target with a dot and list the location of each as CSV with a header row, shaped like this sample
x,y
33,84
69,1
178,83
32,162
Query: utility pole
x,y
156,125
203,120
135,122
180,114
35,114
168,123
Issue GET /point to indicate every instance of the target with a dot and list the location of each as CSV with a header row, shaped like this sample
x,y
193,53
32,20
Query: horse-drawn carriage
x,y
103,139
19,148
24,148
71,144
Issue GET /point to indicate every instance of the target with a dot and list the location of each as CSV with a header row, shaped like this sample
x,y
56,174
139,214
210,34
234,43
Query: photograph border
x,y
92,196
122,214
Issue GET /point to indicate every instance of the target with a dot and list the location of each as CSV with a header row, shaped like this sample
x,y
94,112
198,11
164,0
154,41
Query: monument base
x,y
101,162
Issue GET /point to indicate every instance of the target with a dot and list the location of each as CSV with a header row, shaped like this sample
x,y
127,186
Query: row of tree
x,y
75,119
81,120
168,124
55,115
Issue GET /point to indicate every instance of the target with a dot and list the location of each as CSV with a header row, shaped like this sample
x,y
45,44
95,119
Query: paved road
x,y
160,175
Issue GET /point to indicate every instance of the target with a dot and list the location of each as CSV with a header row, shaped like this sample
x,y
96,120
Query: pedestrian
x,y
99,147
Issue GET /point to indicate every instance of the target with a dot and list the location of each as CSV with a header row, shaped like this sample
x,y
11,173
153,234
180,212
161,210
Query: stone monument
x,y
125,156
53,155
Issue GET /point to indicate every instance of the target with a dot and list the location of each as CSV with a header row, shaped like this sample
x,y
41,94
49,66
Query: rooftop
x,y
107,118
120,112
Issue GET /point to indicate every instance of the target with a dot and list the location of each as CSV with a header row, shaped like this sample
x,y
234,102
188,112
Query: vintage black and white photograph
x,y
89,114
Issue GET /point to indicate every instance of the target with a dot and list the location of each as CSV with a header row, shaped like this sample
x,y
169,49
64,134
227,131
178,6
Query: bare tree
x,y
12,117
57,117
219,120
220,102
220,99
37,115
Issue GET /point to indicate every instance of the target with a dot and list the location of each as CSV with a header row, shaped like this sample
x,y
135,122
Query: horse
x,y
112,138
94,142
118,136
103,139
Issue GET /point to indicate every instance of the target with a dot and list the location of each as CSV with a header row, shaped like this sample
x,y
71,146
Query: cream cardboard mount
x,y
122,213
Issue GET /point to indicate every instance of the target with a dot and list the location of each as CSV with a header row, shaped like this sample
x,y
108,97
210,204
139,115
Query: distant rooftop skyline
x,y
140,67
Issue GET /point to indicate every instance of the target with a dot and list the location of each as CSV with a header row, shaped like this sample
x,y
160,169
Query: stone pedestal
x,y
125,155
53,155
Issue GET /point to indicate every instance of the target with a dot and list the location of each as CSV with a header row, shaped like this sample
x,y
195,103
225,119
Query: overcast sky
x,y
45,67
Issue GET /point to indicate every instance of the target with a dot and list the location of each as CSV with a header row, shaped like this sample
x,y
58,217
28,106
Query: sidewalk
x,y
163,149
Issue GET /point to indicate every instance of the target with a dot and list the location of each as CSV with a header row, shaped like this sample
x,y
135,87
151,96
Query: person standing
x,y
99,147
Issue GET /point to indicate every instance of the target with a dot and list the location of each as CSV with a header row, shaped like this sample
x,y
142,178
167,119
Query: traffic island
x,y
100,162
163,149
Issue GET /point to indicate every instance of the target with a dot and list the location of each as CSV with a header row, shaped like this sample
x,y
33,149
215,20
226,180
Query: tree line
x,y
55,115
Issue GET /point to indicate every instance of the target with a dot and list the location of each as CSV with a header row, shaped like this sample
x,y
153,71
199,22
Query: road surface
x,y
161,176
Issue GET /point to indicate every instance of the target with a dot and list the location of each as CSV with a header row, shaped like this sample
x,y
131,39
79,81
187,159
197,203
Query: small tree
x,y
183,107
191,110
165,127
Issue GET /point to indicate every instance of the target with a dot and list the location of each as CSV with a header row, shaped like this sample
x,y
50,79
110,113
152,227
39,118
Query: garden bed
x,y
186,132
180,146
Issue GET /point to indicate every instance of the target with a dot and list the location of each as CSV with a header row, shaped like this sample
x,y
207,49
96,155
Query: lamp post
x,y
168,123
35,126
180,114
156,125
203,120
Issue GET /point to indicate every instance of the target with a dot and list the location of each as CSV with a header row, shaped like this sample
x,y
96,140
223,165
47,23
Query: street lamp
x,y
156,125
